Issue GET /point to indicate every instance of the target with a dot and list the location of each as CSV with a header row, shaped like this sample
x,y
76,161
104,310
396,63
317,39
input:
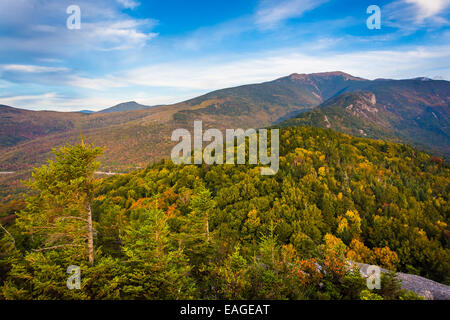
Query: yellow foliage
x,y
100,198
342,225
253,219
334,245
322,171
289,253
360,253
386,258
349,225
441,224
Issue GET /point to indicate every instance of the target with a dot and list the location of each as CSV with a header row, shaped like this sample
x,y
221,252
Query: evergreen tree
x,y
60,215
201,206
155,271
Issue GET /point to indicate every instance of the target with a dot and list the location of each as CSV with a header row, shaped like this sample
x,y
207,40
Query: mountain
x,y
355,113
125,106
149,129
292,93
413,111
391,190
18,125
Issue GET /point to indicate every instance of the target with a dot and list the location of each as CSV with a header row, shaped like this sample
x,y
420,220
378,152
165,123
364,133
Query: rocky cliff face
x,y
429,289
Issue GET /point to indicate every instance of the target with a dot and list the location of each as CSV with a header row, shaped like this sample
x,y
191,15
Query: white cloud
x,y
271,13
38,26
54,101
104,83
25,99
50,60
117,35
428,8
44,28
31,68
410,15
200,75
396,63
129,4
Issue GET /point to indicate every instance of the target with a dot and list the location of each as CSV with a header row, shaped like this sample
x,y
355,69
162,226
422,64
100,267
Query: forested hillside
x,y
388,113
411,111
227,232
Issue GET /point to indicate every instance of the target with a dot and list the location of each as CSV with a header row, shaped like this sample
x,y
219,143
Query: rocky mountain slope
x,y
428,289
411,111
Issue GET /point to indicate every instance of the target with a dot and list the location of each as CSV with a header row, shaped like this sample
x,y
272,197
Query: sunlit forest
x,y
227,232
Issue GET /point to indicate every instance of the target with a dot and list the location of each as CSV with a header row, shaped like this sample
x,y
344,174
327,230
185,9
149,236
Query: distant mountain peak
x,y
303,76
422,79
125,106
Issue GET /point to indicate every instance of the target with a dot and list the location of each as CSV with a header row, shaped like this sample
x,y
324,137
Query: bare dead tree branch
x,y
72,217
9,234
57,247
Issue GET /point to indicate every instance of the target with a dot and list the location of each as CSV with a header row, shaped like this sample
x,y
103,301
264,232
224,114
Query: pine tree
x,y
201,206
60,215
155,270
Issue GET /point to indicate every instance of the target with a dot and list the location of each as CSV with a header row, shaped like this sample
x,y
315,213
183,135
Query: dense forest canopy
x,y
225,231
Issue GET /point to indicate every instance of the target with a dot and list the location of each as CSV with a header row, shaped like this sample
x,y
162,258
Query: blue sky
x,y
158,52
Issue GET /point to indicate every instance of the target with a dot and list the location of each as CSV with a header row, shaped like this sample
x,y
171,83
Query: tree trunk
x,y
207,228
90,236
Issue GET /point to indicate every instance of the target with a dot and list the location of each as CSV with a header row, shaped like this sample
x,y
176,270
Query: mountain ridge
x,y
125,106
137,137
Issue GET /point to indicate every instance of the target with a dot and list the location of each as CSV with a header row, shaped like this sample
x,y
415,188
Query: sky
x,y
161,52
